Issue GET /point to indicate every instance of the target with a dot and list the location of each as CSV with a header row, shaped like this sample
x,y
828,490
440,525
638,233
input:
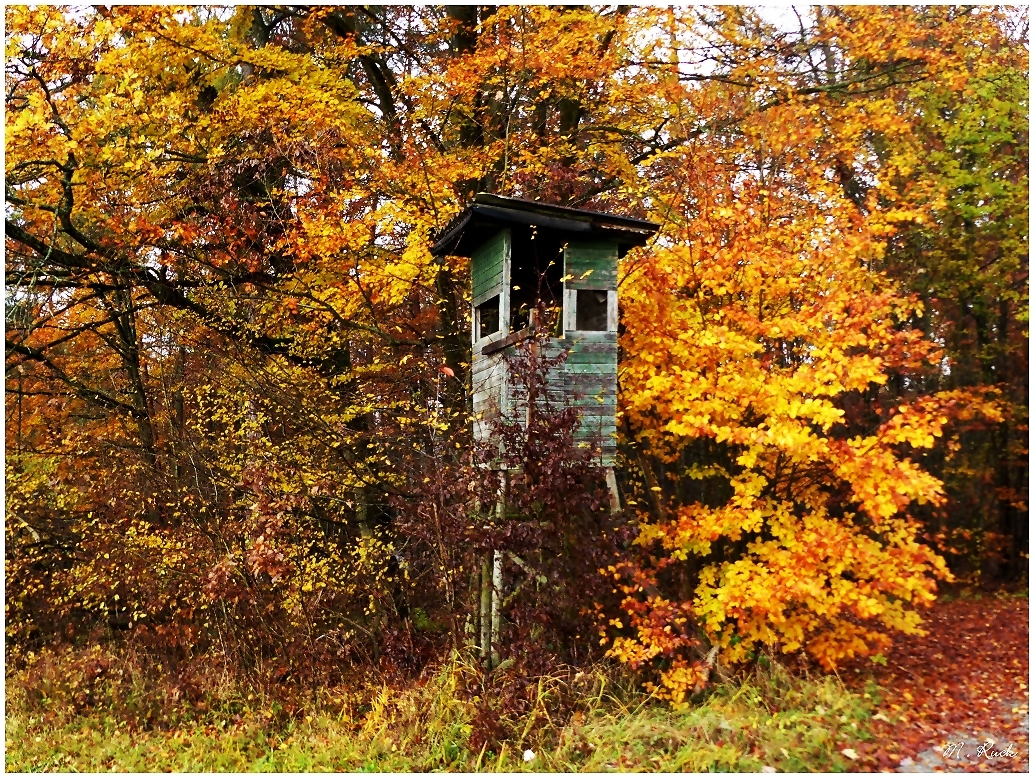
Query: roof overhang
x,y
489,213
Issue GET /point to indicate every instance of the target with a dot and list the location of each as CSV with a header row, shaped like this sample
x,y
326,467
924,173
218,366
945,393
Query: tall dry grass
x,y
91,710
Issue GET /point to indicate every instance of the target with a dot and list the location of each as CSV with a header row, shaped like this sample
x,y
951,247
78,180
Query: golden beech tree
x,y
791,511
231,355
780,474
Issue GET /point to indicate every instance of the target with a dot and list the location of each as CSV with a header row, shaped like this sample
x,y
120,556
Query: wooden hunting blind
x,y
522,253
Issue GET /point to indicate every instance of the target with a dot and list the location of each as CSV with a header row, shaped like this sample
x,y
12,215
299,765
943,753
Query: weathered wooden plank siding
x,y
551,352
489,388
586,380
589,384
607,367
595,356
597,432
591,265
582,338
487,268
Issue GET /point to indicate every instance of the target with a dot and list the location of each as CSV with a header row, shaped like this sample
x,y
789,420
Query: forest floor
x,y
955,700
933,704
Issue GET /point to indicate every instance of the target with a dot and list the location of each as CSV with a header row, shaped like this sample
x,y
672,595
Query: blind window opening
x,y
591,310
488,317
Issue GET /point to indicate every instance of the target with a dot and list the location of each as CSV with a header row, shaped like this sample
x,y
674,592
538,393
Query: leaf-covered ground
x,y
947,694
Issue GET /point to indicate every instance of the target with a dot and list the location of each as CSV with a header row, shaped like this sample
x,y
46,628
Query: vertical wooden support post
x,y
612,485
486,608
533,323
492,616
497,597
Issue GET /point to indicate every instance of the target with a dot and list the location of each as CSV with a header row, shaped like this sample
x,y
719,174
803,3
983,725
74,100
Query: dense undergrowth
x,y
91,710
239,381
240,460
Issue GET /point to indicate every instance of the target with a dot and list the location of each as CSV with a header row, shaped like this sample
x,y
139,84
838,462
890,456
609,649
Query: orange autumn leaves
x,y
758,348
259,187
761,346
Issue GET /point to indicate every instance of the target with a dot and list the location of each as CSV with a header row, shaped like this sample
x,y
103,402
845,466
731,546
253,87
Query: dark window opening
x,y
488,317
591,311
536,270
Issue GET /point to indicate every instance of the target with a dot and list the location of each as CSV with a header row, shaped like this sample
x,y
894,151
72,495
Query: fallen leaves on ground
x,y
964,682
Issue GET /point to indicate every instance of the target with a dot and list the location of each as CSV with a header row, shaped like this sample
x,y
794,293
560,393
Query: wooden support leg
x,y
486,608
612,485
492,591
497,597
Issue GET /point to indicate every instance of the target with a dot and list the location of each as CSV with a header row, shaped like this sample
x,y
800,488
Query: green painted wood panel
x,y
591,265
585,338
581,341
592,415
488,385
595,405
487,265
586,422
604,436
601,369
582,348
590,402
602,357
585,382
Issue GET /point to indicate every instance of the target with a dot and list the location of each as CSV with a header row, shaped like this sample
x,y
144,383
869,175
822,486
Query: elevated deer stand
x,y
523,253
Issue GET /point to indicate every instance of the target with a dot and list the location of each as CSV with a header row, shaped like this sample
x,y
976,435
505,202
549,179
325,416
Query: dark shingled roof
x,y
491,212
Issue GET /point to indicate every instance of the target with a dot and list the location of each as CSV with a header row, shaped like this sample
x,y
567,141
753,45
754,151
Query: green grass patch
x,y
768,719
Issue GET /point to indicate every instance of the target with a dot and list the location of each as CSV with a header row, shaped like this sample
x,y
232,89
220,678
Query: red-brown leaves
x,y
965,682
